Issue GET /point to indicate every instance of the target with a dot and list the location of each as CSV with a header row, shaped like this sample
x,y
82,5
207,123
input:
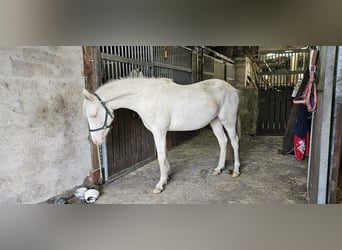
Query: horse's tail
x,y
238,120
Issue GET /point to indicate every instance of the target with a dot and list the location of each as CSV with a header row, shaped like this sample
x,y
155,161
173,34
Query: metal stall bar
x,y
173,62
281,69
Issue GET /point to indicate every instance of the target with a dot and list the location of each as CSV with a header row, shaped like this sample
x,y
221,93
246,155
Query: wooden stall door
x,y
274,110
279,71
129,143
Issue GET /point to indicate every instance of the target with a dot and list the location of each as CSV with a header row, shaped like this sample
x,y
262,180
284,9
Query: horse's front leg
x,y
160,141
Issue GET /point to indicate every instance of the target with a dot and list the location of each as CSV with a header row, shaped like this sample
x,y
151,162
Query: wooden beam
x,y
91,74
336,144
318,172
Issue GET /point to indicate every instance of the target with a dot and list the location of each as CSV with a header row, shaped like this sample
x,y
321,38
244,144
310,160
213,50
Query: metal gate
x,y
279,71
129,144
215,65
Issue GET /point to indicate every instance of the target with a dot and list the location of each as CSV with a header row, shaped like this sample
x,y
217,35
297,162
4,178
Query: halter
x,y
309,96
107,113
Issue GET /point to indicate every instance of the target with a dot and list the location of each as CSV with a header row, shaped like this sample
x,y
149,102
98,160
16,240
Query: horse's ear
x,y
88,96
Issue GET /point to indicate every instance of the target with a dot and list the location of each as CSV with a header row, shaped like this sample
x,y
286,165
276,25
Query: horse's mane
x,y
128,80
142,78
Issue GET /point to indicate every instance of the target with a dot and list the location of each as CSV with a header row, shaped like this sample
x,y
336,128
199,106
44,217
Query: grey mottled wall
x,y
44,148
248,109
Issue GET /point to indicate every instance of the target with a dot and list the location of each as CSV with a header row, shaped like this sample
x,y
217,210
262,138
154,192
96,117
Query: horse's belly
x,y
191,119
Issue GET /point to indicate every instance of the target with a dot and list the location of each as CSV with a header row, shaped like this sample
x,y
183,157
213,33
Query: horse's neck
x,y
119,96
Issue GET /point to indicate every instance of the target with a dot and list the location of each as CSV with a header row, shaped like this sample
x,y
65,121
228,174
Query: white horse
x,y
166,106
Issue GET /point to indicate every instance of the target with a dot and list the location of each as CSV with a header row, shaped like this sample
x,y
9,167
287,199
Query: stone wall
x,y
44,137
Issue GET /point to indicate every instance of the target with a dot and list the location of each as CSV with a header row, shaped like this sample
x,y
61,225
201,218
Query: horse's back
x,y
221,89
195,105
217,84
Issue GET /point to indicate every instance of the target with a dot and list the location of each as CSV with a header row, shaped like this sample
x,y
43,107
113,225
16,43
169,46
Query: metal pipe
x,y
186,48
105,161
218,54
197,64
310,155
100,162
151,60
139,53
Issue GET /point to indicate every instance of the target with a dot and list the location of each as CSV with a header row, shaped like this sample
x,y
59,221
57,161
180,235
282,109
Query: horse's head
x,y
98,115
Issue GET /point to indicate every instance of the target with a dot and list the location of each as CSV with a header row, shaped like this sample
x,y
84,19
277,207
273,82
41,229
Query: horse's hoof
x,y
216,173
157,191
235,174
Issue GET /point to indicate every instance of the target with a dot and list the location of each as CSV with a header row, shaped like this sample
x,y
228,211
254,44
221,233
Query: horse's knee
x,y
224,140
234,143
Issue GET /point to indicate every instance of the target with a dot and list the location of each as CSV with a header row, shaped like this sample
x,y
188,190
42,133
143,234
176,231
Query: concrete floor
x,y
266,177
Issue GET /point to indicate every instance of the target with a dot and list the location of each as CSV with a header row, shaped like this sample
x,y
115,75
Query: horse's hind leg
x,y
234,140
222,140
160,141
